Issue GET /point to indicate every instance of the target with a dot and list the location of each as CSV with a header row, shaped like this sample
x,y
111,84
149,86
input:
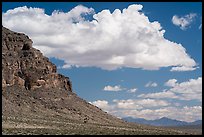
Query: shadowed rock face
x,y
26,66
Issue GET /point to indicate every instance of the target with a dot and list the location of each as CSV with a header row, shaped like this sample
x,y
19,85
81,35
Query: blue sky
x,y
108,85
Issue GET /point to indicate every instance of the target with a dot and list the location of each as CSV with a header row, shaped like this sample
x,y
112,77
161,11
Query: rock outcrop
x,y
26,66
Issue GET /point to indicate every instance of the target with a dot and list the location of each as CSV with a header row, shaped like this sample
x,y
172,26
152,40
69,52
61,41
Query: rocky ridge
x,y
26,66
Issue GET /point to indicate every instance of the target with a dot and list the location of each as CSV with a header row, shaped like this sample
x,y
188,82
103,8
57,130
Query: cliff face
x,y
26,66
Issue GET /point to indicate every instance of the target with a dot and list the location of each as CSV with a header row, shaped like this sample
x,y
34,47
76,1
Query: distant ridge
x,y
164,121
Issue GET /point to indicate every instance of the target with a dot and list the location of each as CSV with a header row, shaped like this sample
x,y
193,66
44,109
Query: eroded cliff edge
x,y
26,66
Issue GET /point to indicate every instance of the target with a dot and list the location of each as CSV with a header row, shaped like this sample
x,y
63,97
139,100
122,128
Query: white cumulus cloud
x,y
163,94
171,82
183,22
188,90
113,88
127,104
103,104
183,68
132,90
151,84
123,38
140,103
